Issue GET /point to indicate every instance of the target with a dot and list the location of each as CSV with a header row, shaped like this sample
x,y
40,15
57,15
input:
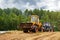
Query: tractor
x,y
47,27
33,26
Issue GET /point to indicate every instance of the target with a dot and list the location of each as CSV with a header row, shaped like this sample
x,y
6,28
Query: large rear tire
x,y
25,30
35,30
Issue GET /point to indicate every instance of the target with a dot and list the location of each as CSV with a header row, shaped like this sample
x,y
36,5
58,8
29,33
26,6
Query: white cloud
x,y
58,5
49,4
28,6
40,4
1,1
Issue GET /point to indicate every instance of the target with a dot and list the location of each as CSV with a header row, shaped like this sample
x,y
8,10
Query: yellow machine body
x,y
35,20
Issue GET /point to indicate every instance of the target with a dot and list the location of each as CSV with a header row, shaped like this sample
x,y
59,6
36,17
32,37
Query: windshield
x,y
46,24
34,19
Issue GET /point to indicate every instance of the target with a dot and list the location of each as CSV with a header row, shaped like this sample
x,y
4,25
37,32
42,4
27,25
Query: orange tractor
x,y
33,25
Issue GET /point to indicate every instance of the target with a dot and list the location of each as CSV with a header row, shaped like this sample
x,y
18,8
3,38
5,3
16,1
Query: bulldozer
x,y
33,26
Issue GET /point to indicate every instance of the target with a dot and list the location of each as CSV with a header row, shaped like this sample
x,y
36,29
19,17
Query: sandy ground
x,y
19,35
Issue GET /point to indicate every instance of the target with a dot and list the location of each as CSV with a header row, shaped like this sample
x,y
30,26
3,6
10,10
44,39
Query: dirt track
x,y
19,35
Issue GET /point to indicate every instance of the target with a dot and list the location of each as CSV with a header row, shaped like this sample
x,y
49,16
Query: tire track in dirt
x,y
13,35
10,35
55,37
43,35
19,35
46,37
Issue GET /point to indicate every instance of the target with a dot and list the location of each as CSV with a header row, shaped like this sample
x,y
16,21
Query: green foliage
x,y
10,18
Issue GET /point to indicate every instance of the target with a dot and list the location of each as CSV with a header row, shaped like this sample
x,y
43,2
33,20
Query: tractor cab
x,y
47,26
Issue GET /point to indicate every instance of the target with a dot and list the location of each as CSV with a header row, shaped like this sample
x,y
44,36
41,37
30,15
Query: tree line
x,y
10,18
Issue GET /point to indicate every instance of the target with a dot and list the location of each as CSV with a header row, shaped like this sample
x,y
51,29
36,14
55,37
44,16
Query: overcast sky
x,y
31,4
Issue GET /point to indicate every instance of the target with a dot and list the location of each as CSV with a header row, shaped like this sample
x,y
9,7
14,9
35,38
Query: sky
x,y
52,5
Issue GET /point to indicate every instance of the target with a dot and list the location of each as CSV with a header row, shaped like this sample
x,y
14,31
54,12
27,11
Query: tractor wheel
x,y
34,30
51,30
25,31
42,29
